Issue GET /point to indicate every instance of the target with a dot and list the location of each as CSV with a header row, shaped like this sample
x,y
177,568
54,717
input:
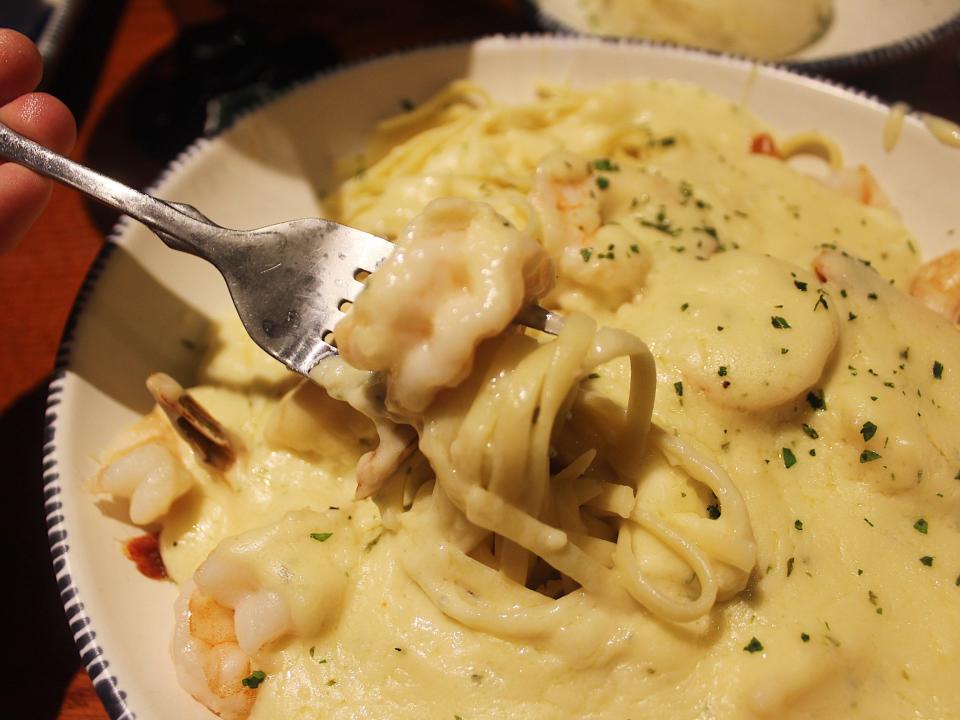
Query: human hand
x,y
38,116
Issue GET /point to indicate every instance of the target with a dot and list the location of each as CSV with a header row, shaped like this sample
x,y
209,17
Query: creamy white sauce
x,y
829,398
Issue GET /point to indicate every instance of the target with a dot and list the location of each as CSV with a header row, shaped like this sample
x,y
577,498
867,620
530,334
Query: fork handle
x,y
176,229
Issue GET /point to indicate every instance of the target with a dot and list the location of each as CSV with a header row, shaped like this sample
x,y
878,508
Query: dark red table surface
x,y
113,46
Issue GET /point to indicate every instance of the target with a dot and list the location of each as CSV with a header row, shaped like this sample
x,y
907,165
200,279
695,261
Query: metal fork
x,y
289,282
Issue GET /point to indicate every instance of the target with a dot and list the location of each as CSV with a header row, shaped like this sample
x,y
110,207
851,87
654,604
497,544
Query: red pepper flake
x,y
764,144
145,553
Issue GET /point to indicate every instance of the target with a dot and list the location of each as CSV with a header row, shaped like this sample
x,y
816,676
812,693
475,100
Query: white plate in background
x,y
863,32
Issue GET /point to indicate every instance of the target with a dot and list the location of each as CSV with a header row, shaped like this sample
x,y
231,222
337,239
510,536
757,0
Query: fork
x,y
289,282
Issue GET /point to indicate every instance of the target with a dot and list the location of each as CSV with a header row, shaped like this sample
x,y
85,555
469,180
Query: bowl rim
x,y
839,62
92,655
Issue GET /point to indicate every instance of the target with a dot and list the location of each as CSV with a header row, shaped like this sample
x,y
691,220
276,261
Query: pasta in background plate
x,y
727,489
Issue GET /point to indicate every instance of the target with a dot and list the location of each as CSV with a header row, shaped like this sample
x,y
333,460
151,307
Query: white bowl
x,y
144,307
863,33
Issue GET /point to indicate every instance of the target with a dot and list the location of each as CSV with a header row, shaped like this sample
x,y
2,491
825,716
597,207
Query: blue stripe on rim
x,y
106,683
862,60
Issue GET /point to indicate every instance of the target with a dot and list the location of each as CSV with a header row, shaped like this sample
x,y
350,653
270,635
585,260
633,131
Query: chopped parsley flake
x,y
816,400
789,459
869,456
602,182
713,511
921,526
784,351
805,637
937,369
663,226
798,524
779,323
254,679
683,308
753,646
606,165
851,317
868,430
927,560
722,372
872,296
790,566
810,432
800,285
321,537
586,254
678,388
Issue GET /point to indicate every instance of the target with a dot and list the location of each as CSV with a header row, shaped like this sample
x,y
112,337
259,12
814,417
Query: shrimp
x,y
595,258
460,274
193,423
152,474
854,182
209,662
937,285
858,183
256,591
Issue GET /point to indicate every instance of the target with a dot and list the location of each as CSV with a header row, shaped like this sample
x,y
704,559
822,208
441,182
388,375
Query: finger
x,y
20,65
43,118
23,194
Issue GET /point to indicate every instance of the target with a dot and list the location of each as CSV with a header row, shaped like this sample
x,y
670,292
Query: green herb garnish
x,y
605,164
789,459
254,679
816,400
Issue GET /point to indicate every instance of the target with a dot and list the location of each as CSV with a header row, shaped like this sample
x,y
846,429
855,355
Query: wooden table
x,y
39,281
